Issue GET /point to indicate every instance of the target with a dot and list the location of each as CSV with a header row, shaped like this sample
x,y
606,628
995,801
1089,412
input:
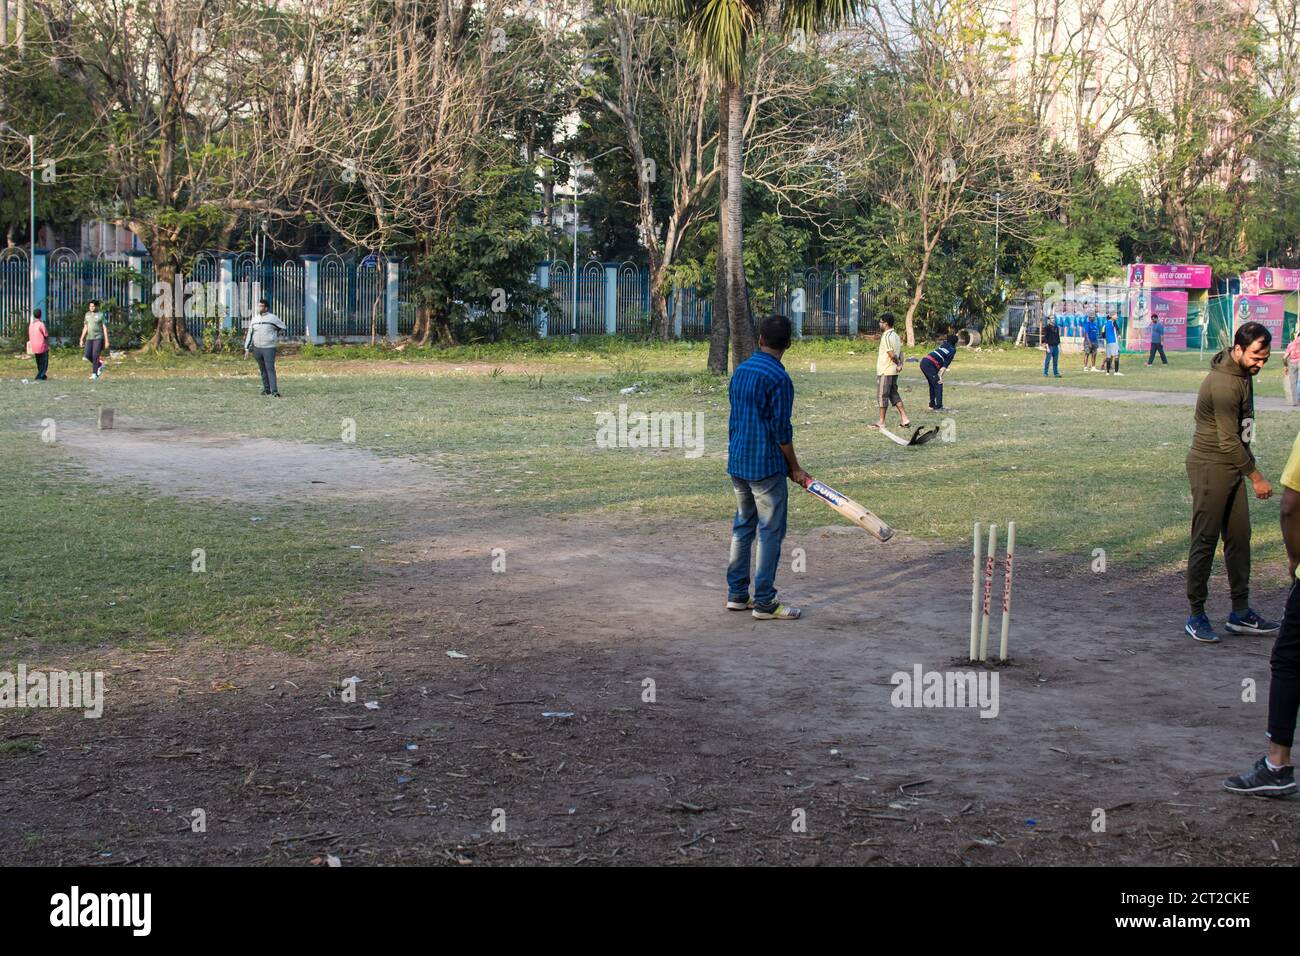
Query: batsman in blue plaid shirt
x,y
760,457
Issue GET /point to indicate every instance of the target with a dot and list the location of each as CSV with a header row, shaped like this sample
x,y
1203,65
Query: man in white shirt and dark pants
x,y
262,338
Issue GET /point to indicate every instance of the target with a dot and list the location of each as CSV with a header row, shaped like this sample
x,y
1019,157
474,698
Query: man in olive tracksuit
x,y
1220,458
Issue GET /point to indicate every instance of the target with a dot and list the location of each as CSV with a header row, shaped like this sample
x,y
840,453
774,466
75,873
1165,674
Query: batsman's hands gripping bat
x,y
846,506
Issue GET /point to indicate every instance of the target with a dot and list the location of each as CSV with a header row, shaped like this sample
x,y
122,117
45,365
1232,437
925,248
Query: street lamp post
x,y
575,171
31,213
997,226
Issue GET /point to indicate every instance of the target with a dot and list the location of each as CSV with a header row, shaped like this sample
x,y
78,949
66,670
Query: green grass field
x,y
83,563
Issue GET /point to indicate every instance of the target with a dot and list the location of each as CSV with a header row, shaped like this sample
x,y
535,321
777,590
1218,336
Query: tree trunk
x,y
423,326
171,333
741,328
661,325
917,292
719,333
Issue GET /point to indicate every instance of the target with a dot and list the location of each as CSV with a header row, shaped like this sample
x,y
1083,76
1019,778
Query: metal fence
x,y
352,297
14,284
368,296
615,297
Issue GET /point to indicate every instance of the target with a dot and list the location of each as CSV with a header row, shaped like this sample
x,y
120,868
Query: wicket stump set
x,y
979,610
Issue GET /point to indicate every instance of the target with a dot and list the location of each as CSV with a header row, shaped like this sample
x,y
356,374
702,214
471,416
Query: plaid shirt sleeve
x,y
780,408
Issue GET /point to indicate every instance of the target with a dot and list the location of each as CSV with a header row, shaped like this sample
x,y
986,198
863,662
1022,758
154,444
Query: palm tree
x,y
717,33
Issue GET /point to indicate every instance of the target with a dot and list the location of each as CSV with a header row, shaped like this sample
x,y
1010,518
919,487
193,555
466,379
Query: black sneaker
x,y
1263,781
1250,623
275,394
1199,627
266,391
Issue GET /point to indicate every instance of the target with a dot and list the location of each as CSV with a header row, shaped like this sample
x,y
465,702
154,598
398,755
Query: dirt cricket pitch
x,y
754,726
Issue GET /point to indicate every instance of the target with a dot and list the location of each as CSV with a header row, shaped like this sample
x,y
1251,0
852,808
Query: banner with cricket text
x,y
1265,279
1153,275
1268,310
1144,307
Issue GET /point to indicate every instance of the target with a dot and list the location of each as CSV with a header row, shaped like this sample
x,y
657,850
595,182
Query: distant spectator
x,y
1091,336
262,338
1052,347
1157,342
94,338
1110,332
1291,369
38,343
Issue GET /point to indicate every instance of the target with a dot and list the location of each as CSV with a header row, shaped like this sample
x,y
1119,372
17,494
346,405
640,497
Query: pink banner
x,y
1169,306
1265,279
1154,275
1268,310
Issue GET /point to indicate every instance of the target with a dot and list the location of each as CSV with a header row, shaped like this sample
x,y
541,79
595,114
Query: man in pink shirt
x,y
38,344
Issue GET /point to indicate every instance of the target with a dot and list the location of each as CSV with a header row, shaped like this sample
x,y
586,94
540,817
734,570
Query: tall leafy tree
x,y
719,33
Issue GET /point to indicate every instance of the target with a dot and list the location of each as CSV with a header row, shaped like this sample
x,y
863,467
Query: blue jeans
x,y
761,510
1053,353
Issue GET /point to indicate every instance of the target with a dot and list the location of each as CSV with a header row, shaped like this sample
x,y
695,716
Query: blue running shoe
x,y
1251,623
1199,627
1263,781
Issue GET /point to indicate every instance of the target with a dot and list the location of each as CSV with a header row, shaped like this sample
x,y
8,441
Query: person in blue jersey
x,y
1110,331
933,367
1091,333
760,457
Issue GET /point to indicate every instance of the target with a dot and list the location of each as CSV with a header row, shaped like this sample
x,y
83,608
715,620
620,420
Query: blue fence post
x,y
677,310
135,292
311,298
611,299
226,291
543,274
40,289
801,307
390,304
855,287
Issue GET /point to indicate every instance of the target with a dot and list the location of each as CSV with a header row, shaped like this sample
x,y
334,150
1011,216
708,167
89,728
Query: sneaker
x,y
745,605
1120,374
782,612
1263,781
266,391
1057,375
1199,627
275,394
1250,623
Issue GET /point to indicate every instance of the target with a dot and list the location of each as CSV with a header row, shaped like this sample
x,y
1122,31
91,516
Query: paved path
x,y
1137,396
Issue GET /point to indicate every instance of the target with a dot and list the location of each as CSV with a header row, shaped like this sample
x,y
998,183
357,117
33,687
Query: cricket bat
x,y
920,435
846,506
